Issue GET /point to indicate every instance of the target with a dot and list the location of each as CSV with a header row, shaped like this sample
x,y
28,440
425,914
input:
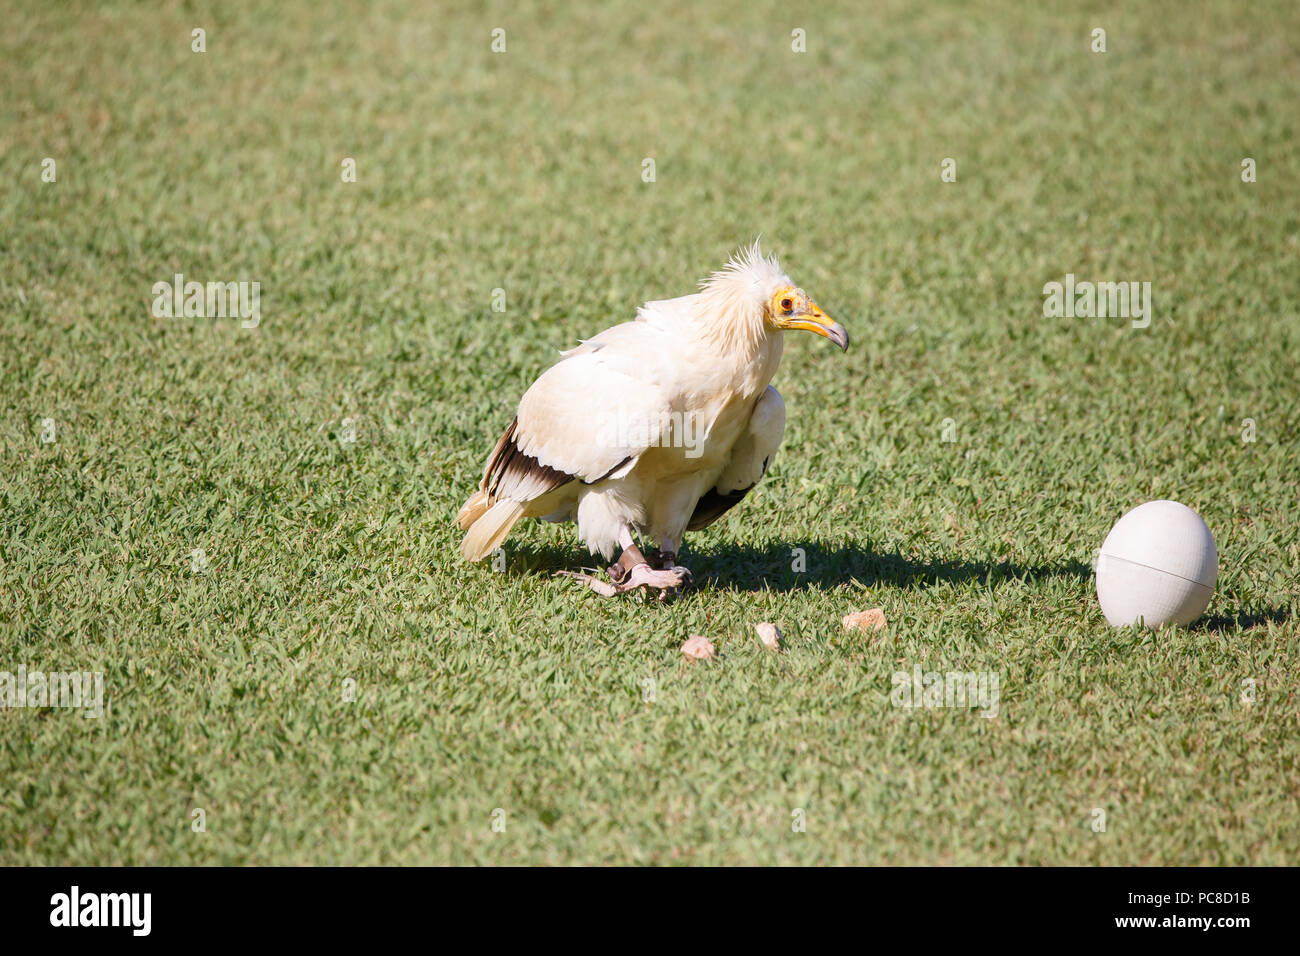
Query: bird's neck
x,y
746,355
764,363
729,324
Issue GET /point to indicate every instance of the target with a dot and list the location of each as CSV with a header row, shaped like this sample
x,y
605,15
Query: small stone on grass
x,y
872,620
769,635
698,648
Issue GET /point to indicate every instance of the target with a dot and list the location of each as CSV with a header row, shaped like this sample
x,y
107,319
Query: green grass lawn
x,y
331,562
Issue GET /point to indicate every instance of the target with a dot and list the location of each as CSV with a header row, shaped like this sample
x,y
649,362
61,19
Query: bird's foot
x,y
667,583
660,573
667,561
633,572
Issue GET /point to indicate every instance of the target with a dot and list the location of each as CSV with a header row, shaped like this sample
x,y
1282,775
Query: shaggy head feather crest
x,y
736,296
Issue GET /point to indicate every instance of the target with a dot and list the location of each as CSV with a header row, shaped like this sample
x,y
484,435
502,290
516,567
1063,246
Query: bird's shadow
x,y
810,566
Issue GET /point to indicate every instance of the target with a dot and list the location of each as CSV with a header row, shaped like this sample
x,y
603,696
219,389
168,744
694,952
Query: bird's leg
x,y
632,571
621,570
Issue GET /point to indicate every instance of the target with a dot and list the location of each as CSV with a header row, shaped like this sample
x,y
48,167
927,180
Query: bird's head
x,y
789,307
752,297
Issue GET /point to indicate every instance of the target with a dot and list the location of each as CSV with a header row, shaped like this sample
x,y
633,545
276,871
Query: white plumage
x,y
654,426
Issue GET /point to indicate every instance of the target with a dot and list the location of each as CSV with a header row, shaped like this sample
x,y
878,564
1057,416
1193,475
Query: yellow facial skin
x,y
790,308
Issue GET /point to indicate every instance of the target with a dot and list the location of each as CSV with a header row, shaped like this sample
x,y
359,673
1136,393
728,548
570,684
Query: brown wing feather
x,y
512,474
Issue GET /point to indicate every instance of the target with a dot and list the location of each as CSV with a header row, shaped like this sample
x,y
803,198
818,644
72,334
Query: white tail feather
x,y
486,534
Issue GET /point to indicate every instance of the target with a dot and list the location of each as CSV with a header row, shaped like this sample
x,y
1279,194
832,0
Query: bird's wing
x,y
662,315
750,457
588,417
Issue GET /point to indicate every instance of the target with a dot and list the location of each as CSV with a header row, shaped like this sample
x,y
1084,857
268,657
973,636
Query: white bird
x,y
654,427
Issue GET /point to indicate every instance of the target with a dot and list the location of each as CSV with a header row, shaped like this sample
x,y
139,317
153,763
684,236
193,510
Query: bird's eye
x,y
787,305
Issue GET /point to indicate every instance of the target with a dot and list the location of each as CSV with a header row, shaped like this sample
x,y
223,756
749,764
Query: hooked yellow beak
x,y
814,319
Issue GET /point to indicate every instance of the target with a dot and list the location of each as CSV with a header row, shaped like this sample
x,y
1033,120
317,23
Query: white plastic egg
x,y
1158,564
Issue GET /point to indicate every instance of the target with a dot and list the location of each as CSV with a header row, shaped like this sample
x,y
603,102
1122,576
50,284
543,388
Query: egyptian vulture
x,y
655,427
